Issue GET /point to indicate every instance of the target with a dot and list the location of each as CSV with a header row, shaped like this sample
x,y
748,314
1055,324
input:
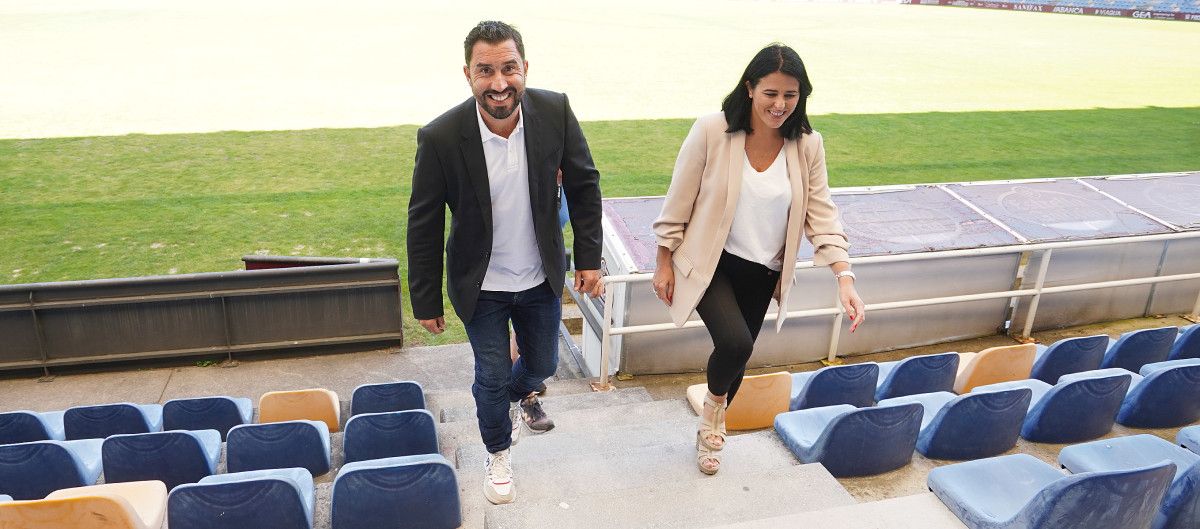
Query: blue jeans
x,y
535,315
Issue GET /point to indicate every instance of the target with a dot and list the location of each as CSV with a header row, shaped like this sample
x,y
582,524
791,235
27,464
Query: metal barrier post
x,y
1033,304
605,341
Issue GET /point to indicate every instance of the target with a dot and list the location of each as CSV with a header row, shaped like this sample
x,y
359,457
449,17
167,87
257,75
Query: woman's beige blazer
x,y
698,211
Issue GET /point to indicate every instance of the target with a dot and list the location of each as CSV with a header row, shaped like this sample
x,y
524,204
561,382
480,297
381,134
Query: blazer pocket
x,y
682,262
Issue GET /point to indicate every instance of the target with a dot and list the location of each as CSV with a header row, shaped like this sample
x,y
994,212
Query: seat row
x,y
418,491
1126,482
853,441
218,413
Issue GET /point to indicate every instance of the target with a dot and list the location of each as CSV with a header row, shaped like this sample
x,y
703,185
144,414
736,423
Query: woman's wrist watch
x,y
845,273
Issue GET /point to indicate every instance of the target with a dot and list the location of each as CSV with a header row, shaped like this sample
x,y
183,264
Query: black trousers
x,y
733,309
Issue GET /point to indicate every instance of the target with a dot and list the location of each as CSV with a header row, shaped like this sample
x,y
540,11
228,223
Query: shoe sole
x,y
496,499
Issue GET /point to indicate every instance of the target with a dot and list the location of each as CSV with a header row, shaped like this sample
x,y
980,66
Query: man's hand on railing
x,y
588,282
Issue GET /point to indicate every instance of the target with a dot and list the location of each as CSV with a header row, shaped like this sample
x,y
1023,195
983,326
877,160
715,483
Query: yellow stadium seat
x,y
759,399
307,404
994,365
134,505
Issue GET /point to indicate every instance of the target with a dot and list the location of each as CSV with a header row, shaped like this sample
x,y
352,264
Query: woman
x,y
746,181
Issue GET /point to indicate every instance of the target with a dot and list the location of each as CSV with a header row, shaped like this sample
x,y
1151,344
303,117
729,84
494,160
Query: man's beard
x,y
501,112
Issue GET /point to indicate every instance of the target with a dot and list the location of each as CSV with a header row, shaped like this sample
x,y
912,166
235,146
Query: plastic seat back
x,y
390,396
411,492
275,499
976,425
994,365
303,444
829,386
1135,349
870,441
303,405
173,458
390,434
1187,345
1164,399
1071,355
1189,438
759,399
1077,410
84,512
104,420
30,471
1099,500
206,413
919,374
23,427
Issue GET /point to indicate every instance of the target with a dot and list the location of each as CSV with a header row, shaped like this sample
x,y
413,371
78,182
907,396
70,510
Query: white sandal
x,y
705,450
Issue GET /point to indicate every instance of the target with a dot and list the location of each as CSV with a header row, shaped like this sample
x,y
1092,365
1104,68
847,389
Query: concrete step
x,y
707,502
921,511
466,433
562,403
437,402
572,317
558,444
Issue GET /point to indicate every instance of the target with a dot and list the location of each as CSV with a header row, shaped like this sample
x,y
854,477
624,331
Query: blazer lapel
x,y
533,127
737,153
472,151
797,168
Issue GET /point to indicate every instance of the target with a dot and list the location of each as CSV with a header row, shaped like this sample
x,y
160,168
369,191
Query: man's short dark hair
x,y
492,32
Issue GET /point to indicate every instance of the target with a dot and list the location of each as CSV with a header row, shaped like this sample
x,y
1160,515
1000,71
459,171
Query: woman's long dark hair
x,y
773,58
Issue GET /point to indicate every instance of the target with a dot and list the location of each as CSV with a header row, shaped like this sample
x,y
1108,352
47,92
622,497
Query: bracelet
x,y
845,273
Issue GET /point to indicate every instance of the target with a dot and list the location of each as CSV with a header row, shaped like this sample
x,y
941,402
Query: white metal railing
x,y
608,331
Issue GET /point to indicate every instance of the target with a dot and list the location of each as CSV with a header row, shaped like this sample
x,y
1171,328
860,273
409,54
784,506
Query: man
x,y
492,160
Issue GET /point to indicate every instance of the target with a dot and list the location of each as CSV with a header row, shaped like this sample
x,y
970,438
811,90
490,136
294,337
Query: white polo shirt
x,y
515,264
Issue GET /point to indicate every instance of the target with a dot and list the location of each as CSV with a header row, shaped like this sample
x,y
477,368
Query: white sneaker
x,y
498,478
517,416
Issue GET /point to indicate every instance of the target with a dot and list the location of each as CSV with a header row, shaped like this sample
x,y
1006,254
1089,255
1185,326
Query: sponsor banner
x,y
1070,10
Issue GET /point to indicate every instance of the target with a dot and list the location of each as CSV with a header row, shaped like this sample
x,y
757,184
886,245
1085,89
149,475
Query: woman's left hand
x,y
853,305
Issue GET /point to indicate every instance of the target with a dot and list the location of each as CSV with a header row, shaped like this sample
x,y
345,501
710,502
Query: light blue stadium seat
x,y
390,396
207,413
968,426
30,471
259,499
1181,505
390,434
24,426
851,441
1021,492
1135,349
1168,395
174,457
1189,438
410,492
916,375
286,444
1080,407
853,384
1187,345
103,420
1071,355
5,497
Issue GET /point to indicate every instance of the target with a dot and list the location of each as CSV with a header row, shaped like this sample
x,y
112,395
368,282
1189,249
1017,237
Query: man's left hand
x,y
588,281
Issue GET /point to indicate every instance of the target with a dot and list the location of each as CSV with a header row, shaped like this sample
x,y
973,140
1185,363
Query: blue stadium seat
x,y
410,492
851,441
916,375
1167,396
1135,349
30,471
390,396
1180,507
1071,355
853,384
1082,406
968,426
260,499
1187,345
207,413
174,457
286,444
1189,438
1021,492
25,426
100,421
390,434
5,497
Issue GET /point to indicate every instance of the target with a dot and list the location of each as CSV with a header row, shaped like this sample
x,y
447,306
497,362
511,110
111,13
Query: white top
x,y
760,220
515,264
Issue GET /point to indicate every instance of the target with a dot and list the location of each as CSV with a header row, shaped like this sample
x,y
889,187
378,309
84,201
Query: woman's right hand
x,y
664,277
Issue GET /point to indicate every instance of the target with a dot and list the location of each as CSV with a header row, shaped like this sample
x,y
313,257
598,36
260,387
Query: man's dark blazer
x,y
451,171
